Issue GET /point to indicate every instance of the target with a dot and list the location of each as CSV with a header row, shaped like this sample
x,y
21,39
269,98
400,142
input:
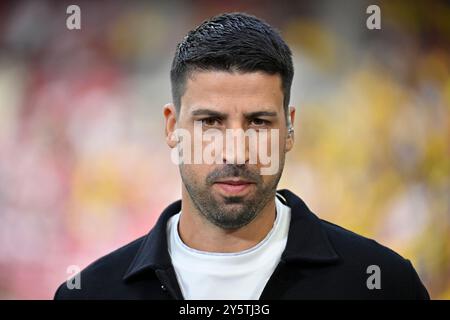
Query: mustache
x,y
232,171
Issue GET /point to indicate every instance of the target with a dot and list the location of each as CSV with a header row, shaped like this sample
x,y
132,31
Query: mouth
x,y
234,186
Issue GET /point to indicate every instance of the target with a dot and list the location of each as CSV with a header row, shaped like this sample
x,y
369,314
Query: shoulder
x,y
350,244
106,272
357,252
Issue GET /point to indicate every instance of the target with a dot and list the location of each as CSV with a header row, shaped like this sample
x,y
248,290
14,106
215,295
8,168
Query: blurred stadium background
x,y
84,168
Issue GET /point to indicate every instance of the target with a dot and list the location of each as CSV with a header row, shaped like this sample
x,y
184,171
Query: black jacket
x,y
321,261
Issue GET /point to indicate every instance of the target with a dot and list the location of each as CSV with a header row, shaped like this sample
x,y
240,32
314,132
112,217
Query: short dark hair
x,y
232,42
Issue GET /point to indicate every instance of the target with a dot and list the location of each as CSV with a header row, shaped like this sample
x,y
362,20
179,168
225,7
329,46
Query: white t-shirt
x,y
221,276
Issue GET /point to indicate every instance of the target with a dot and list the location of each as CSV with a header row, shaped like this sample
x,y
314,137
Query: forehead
x,y
230,92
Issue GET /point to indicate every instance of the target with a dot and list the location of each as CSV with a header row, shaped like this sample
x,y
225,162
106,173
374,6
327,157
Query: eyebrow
x,y
247,115
257,114
208,112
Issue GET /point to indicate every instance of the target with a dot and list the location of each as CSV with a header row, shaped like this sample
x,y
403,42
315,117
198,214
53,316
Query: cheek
x,y
267,180
269,146
196,172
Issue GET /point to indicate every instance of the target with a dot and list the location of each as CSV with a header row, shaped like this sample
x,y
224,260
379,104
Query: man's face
x,y
228,194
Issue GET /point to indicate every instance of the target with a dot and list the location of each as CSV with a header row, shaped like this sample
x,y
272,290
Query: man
x,y
232,235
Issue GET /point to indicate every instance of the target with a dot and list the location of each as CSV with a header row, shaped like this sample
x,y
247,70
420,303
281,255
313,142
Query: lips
x,y
234,186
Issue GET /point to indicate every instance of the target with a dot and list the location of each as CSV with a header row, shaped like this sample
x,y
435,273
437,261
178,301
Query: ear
x,y
170,116
290,135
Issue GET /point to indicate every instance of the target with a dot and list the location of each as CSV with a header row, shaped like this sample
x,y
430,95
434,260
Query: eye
x,y
210,122
259,122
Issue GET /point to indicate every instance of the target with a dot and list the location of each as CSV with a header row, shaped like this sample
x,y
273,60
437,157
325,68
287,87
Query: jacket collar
x,y
307,240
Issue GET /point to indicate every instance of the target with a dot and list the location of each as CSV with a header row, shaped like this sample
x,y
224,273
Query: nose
x,y
236,146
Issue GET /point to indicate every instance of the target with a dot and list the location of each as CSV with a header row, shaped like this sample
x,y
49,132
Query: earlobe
x,y
290,132
289,141
169,114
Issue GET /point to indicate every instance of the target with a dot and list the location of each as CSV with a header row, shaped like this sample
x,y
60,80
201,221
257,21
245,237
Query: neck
x,y
200,234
